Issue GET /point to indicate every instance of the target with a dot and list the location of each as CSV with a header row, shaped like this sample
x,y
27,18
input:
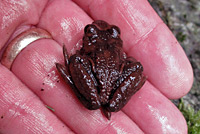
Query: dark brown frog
x,y
100,74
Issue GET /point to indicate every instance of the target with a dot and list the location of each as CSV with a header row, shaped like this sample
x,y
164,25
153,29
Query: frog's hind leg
x,y
63,70
82,75
67,78
130,81
65,73
66,56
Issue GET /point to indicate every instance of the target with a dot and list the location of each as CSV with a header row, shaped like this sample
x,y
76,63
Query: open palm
x,y
33,83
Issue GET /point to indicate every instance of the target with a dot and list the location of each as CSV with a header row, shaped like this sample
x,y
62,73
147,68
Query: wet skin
x,y
100,74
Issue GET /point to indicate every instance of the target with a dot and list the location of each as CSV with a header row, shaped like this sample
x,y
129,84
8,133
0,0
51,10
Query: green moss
x,y
185,16
192,118
180,36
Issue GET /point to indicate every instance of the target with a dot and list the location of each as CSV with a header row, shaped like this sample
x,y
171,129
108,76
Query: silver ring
x,y
20,42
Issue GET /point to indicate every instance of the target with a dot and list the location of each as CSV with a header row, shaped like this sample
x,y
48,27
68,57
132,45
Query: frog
x,y
101,74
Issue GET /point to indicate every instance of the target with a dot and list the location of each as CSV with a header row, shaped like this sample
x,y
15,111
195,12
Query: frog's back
x,y
107,67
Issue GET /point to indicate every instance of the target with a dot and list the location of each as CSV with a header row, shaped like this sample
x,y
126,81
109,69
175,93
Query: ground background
x,y
183,18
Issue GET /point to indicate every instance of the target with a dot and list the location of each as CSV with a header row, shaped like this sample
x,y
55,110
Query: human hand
x,y
34,83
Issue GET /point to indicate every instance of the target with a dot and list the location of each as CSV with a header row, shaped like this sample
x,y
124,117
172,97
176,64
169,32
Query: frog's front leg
x,y
129,83
78,73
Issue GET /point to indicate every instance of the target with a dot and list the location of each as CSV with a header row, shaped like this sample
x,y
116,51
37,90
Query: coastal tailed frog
x,y
100,73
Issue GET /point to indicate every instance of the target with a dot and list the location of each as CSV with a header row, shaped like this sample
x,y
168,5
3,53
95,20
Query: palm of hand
x,y
145,37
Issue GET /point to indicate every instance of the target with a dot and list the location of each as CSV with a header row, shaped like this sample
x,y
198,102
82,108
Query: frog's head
x,y
100,35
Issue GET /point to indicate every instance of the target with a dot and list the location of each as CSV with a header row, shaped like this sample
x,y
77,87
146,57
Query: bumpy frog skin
x,y
100,74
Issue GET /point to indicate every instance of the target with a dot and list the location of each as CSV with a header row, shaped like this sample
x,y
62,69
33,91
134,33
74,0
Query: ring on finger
x,y
20,42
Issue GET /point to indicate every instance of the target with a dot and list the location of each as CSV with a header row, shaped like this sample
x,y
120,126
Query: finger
x,y
149,40
38,61
154,113
22,112
67,23
15,13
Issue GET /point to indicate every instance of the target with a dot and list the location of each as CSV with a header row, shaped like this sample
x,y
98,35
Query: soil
x,y
183,18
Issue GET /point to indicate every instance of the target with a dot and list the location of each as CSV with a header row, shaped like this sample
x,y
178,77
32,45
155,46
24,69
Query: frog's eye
x,y
90,30
114,31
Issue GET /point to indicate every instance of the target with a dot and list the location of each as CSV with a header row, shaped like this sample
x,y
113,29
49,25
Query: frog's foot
x,y
106,113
